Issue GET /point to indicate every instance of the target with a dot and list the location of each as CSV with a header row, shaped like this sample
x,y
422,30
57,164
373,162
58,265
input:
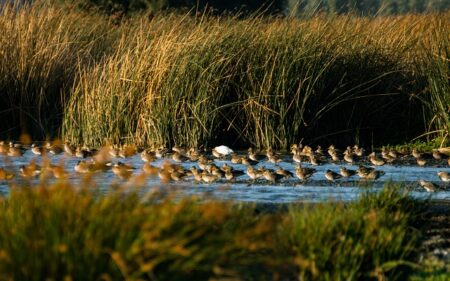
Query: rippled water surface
x,y
243,189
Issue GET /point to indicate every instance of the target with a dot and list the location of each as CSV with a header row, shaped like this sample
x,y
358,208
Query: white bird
x,y
221,151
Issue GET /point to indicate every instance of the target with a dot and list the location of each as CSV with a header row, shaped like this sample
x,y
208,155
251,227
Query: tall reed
x,y
262,82
41,50
205,80
59,231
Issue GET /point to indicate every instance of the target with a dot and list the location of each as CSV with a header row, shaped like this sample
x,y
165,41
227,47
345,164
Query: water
x,y
317,189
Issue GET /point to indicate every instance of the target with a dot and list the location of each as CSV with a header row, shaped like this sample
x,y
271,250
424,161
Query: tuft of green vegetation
x,y
58,231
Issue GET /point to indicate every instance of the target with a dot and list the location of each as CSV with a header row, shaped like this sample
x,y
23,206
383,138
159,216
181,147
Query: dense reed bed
x,y
58,231
41,51
203,80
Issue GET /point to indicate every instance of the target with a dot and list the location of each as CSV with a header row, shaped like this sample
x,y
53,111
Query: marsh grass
x,y
41,50
203,80
56,231
262,82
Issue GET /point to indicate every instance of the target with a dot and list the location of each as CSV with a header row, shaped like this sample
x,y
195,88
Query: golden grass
x,y
203,80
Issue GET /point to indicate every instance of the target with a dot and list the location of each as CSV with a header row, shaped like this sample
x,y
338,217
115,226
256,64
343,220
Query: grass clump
x,y
368,239
59,231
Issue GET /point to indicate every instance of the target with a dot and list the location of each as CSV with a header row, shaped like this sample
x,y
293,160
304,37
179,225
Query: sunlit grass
x,y
203,80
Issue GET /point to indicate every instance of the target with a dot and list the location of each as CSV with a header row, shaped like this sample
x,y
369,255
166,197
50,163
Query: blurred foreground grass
x,y
59,231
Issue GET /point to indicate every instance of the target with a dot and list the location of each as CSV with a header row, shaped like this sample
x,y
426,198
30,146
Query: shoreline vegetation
x,y
195,80
130,236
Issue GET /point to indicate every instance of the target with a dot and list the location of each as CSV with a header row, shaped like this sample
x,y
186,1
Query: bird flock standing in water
x,y
204,166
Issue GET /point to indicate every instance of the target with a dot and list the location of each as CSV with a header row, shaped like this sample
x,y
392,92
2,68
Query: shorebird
x,y
369,173
248,162
252,173
203,162
314,160
319,150
127,151
236,159
225,167
14,150
295,148
375,161
53,148
150,169
364,169
148,156
428,186
3,147
36,149
272,157
113,151
208,178
177,157
307,150
416,154
333,152
358,151
82,152
69,149
393,154
196,174
444,176
177,176
284,173
59,172
437,155
421,162
193,154
296,157
178,149
346,173
373,175
272,177
388,156
216,172
348,155
253,156
83,167
296,153
30,171
164,175
160,152
229,175
6,175
304,173
221,151
331,176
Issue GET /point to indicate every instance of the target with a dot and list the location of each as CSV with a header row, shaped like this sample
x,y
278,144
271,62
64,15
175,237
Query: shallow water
x,y
317,189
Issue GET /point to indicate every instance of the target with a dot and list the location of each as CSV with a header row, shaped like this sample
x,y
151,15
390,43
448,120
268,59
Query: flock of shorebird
x,y
205,170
